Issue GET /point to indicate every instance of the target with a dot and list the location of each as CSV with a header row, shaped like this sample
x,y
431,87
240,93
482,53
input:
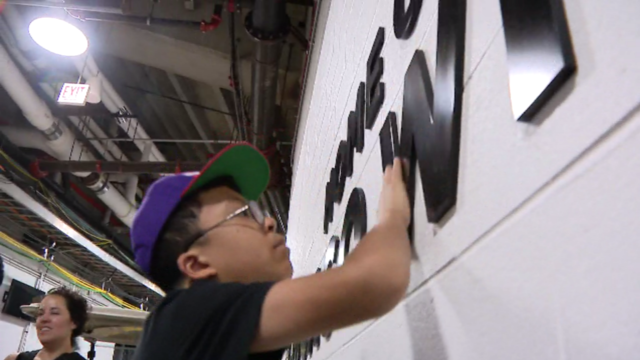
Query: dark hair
x,y
78,309
182,224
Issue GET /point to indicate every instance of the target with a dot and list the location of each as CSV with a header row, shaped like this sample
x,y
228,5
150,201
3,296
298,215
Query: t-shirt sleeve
x,y
212,320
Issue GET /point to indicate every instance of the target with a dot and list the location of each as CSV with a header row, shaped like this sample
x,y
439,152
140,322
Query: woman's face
x,y
54,323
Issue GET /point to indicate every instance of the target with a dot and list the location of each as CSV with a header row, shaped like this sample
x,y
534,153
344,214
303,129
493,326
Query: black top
x,y
30,355
208,321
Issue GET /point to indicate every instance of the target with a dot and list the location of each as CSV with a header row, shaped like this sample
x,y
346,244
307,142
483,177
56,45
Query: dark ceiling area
x,y
176,82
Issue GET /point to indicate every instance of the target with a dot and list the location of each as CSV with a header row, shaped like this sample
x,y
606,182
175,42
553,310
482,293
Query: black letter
x,y
375,89
389,147
355,219
431,127
405,22
343,168
360,118
539,53
329,199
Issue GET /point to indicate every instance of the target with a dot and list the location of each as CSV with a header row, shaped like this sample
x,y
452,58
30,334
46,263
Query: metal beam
x,y
119,167
60,5
195,141
22,197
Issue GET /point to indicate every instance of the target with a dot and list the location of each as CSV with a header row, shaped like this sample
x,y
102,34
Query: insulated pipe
x,y
131,188
88,68
120,206
268,24
27,138
62,141
91,130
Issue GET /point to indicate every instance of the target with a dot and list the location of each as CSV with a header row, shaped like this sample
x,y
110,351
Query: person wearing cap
x,y
227,271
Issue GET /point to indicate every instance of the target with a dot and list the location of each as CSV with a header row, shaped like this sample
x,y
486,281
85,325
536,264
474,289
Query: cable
x,y
27,252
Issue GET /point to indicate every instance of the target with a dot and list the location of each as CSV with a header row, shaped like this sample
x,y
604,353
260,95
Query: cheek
x,y
62,323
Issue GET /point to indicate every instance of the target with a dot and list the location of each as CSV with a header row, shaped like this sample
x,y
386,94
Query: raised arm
x,y
371,282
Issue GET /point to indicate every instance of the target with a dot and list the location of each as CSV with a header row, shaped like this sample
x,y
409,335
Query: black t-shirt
x,y
30,355
208,321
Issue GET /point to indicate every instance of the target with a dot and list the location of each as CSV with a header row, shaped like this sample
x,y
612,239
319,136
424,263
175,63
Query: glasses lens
x,y
256,212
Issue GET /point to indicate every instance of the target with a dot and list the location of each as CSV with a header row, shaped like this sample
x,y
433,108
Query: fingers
x,y
397,169
388,174
394,173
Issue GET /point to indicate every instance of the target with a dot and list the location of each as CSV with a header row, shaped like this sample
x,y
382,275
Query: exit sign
x,y
73,94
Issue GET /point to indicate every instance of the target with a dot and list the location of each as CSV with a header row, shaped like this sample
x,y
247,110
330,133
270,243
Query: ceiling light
x,y
58,36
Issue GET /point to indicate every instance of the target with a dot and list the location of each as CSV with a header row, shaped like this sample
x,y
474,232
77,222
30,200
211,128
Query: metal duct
x,y
268,24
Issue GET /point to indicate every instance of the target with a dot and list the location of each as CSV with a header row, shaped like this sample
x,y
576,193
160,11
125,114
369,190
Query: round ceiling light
x,y
58,36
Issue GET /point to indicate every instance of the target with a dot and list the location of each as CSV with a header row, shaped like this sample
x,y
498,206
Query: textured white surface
x,y
536,259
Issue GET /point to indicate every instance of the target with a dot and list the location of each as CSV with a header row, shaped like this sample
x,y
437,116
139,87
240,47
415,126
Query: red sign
x,y
73,94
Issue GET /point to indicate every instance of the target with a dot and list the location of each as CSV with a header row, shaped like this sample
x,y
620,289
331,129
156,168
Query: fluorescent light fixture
x,y
58,36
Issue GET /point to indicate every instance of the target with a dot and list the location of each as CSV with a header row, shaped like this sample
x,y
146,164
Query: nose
x,y
44,318
269,225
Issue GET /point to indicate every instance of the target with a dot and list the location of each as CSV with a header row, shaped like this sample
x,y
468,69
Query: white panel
x,y
503,164
558,279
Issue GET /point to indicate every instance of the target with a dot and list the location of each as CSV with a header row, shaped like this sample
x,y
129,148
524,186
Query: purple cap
x,y
162,197
241,161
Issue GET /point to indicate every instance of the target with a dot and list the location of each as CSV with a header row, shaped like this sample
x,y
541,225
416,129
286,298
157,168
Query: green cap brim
x,y
242,162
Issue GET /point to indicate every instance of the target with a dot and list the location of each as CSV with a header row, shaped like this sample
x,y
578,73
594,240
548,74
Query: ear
x,y
195,267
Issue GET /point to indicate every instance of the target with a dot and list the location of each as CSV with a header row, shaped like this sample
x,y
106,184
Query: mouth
x,y
45,328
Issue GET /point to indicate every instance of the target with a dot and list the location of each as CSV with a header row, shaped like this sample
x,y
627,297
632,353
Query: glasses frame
x,y
252,208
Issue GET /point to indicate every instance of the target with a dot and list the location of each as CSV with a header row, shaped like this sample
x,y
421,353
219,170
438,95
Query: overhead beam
x,y
22,197
119,167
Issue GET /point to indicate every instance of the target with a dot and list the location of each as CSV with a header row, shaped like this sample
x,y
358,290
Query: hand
x,y
394,201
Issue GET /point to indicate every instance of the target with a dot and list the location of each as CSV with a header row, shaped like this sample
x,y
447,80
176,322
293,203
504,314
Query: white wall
x,y
539,258
11,329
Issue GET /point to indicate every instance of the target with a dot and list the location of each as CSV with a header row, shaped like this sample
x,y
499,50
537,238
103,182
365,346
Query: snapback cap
x,y
240,161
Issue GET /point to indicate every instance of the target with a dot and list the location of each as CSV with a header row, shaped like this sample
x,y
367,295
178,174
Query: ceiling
x,y
174,79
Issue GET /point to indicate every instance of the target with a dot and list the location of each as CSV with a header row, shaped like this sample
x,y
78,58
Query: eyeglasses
x,y
251,210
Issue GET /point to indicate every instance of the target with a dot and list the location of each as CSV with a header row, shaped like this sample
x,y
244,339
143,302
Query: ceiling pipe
x,y
60,139
27,138
108,149
269,25
88,68
91,130
118,167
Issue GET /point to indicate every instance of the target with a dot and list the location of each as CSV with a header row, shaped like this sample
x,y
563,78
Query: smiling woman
x,y
62,315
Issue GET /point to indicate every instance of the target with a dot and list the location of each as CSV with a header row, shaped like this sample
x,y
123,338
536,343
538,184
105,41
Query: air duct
x,y
269,25
62,142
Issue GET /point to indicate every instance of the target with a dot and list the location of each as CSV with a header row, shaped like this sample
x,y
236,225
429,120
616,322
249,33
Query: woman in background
x,y
61,317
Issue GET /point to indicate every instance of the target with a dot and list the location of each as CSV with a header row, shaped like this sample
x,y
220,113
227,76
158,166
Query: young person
x,y
227,271
61,318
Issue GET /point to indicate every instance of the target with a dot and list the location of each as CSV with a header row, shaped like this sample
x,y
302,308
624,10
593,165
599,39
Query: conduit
x,y
60,139
88,68
269,25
